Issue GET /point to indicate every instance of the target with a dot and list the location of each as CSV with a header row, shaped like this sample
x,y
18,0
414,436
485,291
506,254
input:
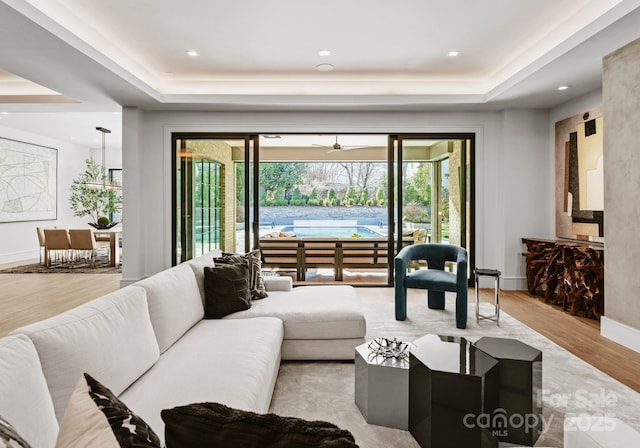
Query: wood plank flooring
x,y
27,298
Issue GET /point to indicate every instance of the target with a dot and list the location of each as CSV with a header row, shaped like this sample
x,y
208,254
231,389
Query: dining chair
x,y
40,242
83,245
56,242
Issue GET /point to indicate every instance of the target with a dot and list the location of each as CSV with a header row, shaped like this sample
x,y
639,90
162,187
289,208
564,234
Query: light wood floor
x,y
27,298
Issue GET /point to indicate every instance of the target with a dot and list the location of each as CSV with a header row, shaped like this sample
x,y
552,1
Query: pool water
x,y
339,232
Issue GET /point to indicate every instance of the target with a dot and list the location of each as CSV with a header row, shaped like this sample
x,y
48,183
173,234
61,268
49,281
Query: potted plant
x,y
93,195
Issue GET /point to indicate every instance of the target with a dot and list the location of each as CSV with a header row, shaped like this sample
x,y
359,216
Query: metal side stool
x,y
496,275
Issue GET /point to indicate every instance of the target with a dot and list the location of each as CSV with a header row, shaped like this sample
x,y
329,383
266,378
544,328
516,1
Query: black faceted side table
x,y
520,367
452,385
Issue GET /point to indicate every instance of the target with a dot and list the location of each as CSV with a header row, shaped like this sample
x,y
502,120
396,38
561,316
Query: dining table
x,y
114,236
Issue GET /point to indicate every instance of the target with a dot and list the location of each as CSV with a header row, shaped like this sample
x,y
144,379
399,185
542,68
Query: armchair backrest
x,y
434,254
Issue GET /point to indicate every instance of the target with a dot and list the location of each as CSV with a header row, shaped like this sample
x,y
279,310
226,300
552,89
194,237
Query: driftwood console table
x,y
571,272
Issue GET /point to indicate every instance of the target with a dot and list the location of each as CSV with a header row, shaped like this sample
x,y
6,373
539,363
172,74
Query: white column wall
x,y
528,185
147,172
621,95
18,240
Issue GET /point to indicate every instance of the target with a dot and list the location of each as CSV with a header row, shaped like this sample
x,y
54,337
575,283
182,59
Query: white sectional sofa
x,y
151,346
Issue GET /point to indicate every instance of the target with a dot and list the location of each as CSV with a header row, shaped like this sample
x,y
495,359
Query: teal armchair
x,y
434,279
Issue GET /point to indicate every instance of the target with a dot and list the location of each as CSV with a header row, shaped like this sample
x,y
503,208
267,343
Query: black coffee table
x,y
520,367
451,385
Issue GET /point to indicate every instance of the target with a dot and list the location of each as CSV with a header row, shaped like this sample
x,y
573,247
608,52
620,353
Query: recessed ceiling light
x,y
324,53
4,113
271,136
324,67
453,53
563,87
193,53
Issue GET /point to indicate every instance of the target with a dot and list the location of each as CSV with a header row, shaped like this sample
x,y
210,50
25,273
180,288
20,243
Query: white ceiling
x,y
258,55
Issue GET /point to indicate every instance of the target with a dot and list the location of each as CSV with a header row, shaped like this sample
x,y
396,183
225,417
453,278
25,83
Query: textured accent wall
x,y
621,97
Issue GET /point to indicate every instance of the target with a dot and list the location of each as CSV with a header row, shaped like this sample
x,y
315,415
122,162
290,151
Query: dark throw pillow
x,y
9,437
226,289
256,282
216,425
96,417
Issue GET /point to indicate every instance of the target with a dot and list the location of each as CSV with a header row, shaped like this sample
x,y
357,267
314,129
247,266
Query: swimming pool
x,y
339,232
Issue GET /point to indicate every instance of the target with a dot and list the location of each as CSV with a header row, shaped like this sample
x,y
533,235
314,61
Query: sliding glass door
x,y
433,190
213,191
419,189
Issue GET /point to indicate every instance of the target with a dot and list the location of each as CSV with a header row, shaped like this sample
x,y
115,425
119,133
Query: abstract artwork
x,y
580,177
28,181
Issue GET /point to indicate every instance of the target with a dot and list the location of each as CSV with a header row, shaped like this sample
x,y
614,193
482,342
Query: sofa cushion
x,y
436,279
24,398
9,437
175,304
256,282
198,264
278,283
110,338
216,425
234,362
96,418
313,312
226,290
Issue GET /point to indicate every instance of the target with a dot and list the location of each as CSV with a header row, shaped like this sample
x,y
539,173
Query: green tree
x,y
420,183
313,197
364,197
381,196
279,197
92,193
274,175
332,198
296,197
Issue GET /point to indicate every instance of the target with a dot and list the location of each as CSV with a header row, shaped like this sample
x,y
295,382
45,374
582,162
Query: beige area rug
x,y
325,390
81,267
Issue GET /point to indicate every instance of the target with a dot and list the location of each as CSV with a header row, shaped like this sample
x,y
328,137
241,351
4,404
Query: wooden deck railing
x,y
338,254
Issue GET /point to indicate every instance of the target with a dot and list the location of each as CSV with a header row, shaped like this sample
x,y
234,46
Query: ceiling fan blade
x,y
321,146
349,147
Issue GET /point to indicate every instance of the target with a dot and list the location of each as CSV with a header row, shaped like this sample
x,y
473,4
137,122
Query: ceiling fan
x,y
338,147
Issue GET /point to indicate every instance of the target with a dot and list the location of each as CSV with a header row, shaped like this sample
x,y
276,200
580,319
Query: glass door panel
x,y
433,190
211,199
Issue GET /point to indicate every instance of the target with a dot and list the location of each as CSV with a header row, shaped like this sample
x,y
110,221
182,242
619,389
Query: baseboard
x,y
620,333
127,282
513,283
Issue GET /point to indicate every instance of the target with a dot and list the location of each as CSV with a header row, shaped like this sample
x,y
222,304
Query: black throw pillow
x,y
215,425
256,282
226,290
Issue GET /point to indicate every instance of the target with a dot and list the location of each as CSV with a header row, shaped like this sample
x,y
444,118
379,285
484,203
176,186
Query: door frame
x,y
250,156
396,173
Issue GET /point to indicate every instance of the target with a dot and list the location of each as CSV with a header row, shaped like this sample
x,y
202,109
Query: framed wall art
x,y
579,154
28,181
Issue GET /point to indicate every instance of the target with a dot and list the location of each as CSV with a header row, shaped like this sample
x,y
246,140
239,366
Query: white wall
x,y
503,200
18,240
528,186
